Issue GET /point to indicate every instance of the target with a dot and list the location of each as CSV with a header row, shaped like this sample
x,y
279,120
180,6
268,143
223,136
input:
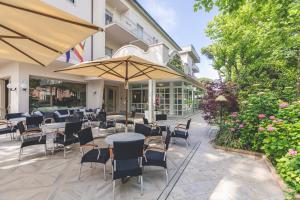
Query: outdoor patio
x,y
196,172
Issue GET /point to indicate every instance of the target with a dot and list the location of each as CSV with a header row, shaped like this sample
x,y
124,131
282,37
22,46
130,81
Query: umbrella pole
x,y
126,96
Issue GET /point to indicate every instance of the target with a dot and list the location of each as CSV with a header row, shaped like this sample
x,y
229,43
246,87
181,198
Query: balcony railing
x,y
132,27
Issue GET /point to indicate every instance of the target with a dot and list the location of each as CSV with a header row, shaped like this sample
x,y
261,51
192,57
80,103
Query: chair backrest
x,y
34,121
132,114
72,119
21,127
101,116
188,124
85,136
145,120
161,117
48,120
72,128
78,114
142,129
128,150
168,138
13,115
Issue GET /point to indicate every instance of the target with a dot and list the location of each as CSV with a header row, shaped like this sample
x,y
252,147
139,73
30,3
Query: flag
x,y
68,56
78,51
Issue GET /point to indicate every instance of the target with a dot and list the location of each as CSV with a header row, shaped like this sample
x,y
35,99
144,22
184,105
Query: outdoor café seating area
x,y
60,156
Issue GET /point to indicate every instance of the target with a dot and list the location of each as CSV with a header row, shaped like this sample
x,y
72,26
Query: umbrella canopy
x,y
124,69
34,32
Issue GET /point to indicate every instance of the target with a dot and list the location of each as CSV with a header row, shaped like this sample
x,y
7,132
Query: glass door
x,y
110,99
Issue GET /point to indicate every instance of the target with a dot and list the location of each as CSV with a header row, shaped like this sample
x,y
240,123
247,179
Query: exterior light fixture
x,y
11,87
23,86
221,99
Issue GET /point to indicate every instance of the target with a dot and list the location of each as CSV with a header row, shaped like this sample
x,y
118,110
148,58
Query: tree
x,y
255,41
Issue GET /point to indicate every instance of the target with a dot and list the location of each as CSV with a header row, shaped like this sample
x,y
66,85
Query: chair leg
x,y
20,153
167,176
187,143
80,171
45,149
64,152
142,185
104,171
114,185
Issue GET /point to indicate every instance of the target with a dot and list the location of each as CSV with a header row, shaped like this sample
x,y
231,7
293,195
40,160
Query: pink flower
x,y
234,114
260,129
271,128
232,129
261,116
241,126
292,152
272,117
283,105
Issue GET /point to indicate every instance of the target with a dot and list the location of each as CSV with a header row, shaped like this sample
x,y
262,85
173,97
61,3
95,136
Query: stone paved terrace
x,y
199,172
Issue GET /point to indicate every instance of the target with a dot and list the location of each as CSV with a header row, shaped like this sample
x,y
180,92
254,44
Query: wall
x,y
83,10
95,93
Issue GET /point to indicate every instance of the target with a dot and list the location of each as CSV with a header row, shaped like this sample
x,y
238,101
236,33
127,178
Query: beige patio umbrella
x,y
124,69
34,32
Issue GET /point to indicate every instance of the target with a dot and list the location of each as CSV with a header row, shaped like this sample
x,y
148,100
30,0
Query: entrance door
x,y
110,98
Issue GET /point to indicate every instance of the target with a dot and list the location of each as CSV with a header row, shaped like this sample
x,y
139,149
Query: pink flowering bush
x,y
288,168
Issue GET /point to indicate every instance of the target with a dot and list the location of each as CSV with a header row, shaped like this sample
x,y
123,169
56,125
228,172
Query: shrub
x,y
282,133
289,168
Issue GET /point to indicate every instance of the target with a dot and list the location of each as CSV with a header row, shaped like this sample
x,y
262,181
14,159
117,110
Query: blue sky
x,y
185,26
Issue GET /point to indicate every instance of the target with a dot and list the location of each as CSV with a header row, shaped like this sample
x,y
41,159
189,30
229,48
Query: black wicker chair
x,y
34,122
96,154
156,156
160,117
7,128
104,123
127,161
30,137
182,131
69,136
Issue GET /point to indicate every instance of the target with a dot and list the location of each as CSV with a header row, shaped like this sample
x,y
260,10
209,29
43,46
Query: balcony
x,y
122,31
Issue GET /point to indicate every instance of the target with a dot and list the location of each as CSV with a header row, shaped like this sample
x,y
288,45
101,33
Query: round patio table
x,y
123,137
54,126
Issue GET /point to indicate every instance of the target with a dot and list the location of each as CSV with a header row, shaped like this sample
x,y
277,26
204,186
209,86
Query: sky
x,y
178,19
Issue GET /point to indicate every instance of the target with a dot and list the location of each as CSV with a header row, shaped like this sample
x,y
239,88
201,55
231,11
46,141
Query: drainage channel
x,y
173,181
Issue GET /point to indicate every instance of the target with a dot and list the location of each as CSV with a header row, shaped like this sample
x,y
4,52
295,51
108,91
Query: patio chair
x,y
127,161
72,119
34,122
104,123
6,128
160,117
157,156
68,137
96,154
156,130
30,137
182,131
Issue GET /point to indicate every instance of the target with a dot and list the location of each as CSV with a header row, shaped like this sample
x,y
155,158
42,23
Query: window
x,y
108,51
45,93
108,17
139,31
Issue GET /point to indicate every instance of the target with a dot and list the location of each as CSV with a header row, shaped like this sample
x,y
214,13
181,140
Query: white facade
x,y
129,31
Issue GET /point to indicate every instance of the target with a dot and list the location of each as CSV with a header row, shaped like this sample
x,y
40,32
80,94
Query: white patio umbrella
x,y
124,69
34,32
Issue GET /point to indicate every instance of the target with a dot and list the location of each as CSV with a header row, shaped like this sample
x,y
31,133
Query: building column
x,y
94,93
151,99
171,98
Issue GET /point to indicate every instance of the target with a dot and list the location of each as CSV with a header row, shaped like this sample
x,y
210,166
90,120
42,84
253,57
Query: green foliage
x,y
176,62
256,41
286,133
289,169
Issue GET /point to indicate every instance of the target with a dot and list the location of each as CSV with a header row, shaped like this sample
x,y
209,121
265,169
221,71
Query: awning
x,y
34,32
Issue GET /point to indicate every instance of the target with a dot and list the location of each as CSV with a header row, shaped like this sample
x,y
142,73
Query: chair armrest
x,y
181,126
156,149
